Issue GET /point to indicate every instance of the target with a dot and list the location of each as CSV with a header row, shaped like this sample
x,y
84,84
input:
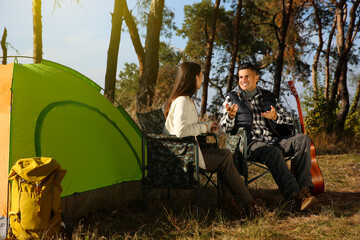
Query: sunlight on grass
x,y
337,216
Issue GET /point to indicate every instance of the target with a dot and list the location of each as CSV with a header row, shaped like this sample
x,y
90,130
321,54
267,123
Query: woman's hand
x,y
214,127
231,110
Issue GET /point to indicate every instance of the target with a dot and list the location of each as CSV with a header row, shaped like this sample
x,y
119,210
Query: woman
x,y
182,120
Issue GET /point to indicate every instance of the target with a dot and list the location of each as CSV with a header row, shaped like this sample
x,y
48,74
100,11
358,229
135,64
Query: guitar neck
x,y
294,92
300,115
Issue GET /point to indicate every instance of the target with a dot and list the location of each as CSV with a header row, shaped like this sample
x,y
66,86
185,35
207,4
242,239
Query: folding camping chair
x,y
238,145
172,162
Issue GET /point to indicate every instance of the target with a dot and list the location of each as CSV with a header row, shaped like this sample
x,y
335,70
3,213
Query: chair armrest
x,y
239,139
173,138
171,145
204,143
209,134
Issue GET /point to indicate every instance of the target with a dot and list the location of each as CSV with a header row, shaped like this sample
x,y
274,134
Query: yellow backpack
x,y
35,211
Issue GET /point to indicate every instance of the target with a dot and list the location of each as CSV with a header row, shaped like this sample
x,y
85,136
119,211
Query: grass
x,y
336,217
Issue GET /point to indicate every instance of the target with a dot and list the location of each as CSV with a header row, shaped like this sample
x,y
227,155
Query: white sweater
x,y
182,121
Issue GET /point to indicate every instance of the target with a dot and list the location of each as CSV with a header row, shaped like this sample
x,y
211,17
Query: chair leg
x,y
218,188
217,185
197,198
198,193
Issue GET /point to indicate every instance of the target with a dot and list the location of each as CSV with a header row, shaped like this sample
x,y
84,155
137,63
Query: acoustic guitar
x,y
316,175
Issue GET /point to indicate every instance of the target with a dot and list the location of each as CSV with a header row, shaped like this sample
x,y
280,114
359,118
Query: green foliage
x,y
264,18
170,55
169,59
164,84
257,44
127,85
197,22
316,118
197,28
215,107
352,125
142,8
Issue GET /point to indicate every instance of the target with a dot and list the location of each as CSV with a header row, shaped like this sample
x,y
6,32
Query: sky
x,y
78,35
75,35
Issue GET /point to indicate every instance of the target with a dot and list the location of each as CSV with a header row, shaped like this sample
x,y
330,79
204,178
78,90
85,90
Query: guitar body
x,y
316,175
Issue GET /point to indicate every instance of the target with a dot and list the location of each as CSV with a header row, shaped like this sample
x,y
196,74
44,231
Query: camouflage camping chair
x,y
239,146
172,162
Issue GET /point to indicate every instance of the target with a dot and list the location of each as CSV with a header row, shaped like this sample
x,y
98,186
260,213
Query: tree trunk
x,y
279,62
344,93
344,99
3,46
113,51
235,47
340,43
344,45
209,51
317,54
135,38
37,31
151,65
327,61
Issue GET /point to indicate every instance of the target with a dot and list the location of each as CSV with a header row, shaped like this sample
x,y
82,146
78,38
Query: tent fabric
x,y
6,72
59,113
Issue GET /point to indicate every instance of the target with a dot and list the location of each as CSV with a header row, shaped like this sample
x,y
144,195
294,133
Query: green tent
x,y
50,110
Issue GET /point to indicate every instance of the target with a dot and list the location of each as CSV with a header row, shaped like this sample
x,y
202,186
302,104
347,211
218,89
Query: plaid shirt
x,y
260,130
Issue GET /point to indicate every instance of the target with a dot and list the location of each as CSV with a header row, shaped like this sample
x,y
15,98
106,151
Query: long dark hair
x,y
185,83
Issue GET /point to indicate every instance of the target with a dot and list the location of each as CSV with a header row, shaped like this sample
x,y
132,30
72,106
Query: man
x,y
264,119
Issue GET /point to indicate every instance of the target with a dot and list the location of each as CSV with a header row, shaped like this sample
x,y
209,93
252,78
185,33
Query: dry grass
x,y
327,144
337,216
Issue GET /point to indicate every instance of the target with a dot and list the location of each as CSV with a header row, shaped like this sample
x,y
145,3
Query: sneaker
x,y
306,191
301,202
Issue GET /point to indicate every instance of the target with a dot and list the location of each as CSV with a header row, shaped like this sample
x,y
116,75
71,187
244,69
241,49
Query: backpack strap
x,y
15,196
7,207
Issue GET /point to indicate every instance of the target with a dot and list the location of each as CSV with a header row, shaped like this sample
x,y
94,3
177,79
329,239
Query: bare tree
x,y
235,46
318,51
209,52
113,51
135,38
281,33
3,46
37,31
344,44
152,43
148,56
327,61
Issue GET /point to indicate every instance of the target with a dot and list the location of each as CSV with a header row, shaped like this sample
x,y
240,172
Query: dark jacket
x,y
244,116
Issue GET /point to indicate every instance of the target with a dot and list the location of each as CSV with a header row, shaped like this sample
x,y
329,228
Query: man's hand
x,y
231,110
272,115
